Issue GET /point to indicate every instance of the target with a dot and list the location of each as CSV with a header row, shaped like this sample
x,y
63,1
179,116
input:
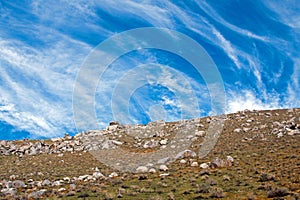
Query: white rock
x,y
279,135
12,177
117,142
67,179
56,183
46,182
83,177
61,189
56,140
164,174
246,129
89,178
9,191
72,186
141,169
294,132
204,166
182,161
113,174
152,170
229,159
97,175
163,142
163,168
37,194
112,127
194,164
200,133
18,184
237,130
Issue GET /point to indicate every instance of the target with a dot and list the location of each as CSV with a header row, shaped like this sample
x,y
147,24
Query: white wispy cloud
x,y
212,13
38,85
37,80
247,99
287,11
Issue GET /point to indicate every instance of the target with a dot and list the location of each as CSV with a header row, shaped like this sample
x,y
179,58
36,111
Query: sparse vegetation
x,y
277,192
265,166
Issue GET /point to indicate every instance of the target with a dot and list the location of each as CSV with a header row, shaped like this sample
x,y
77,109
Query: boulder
x,y
18,184
163,168
142,169
204,166
217,163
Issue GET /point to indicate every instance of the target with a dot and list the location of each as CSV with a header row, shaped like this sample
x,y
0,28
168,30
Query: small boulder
x,y
182,161
163,168
18,184
9,191
194,164
97,175
152,170
217,163
163,142
113,174
204,166
142,169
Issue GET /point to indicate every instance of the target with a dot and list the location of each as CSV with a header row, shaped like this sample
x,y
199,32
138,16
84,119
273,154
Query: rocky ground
x,y
257,156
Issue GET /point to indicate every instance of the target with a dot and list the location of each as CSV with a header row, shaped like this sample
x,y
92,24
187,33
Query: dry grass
x,y
263,168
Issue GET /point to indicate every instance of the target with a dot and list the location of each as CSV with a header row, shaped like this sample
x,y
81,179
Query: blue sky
x,y
254,44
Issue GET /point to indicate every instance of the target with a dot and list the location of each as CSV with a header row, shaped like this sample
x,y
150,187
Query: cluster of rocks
x,y
187,157
152,135
67,186
36,189
216,163
250,124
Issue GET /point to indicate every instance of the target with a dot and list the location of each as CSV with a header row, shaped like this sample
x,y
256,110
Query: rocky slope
x,y
257,156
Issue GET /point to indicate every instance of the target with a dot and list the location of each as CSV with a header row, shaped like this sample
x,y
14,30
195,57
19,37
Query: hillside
x,y
257,156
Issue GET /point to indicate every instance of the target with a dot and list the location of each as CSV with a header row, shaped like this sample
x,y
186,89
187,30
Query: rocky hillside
x,y
257,156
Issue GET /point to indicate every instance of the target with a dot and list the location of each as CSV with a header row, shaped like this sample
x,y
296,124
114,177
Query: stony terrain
x,y
257,156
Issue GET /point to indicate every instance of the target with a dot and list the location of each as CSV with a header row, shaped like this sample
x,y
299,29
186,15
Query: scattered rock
x,y
98,174
237,130
217,163
163,175
142,169
152,170
163,142
37,194
182,161
163,168
18,184
226,178
200,133
61,189
204,166
113,174
186,154
9,191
